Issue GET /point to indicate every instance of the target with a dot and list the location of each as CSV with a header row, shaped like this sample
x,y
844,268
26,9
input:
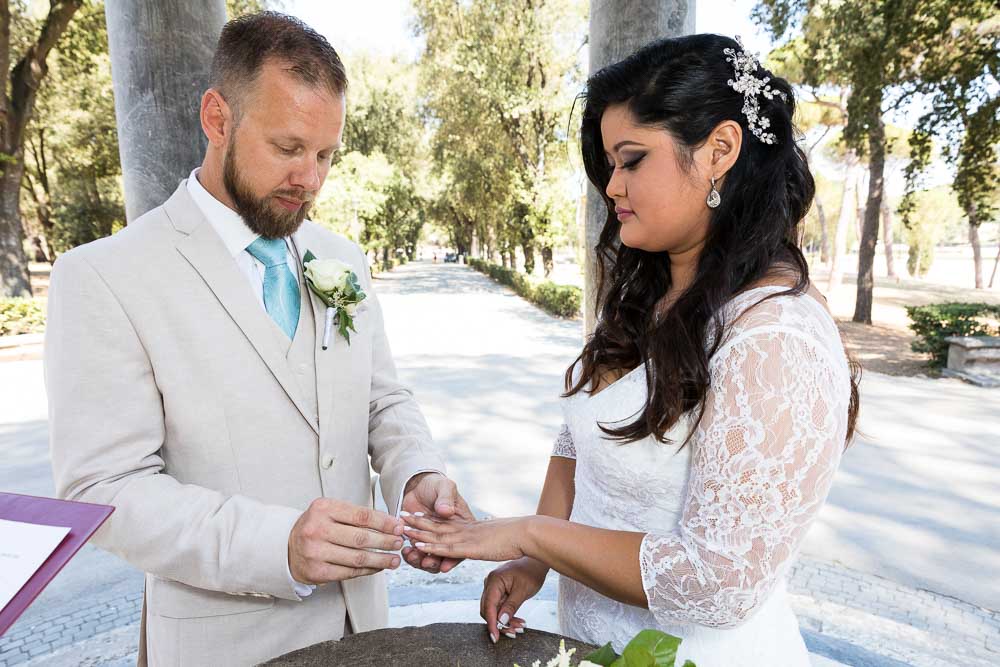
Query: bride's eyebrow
x,y
621,144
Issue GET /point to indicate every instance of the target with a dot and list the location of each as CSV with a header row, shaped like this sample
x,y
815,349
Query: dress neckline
x,y
729,303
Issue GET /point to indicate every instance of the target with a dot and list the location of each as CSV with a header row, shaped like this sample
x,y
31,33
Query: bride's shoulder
x,y
774,302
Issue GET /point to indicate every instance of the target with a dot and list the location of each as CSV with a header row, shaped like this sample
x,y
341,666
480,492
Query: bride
x,y
706,416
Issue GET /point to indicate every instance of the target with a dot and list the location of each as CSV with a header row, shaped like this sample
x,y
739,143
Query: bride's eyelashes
x,y
632,163
629,164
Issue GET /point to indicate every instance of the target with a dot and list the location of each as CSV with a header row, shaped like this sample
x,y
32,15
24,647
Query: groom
x,y
188,386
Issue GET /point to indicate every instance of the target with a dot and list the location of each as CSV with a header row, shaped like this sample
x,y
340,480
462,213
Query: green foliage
x,y
71,190
21,316
500,77
376,193
649,648
560,300
933,323
959,71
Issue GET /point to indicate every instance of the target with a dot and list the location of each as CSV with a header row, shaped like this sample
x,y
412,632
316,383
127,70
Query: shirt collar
x,y
228,224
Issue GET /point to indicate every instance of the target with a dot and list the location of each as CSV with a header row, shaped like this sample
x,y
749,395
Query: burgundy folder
x,y
83,519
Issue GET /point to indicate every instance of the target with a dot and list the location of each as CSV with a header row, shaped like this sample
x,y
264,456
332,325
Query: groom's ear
x,y
216,118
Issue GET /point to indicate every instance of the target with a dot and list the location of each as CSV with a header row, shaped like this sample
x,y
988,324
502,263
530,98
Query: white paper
x,y
23,549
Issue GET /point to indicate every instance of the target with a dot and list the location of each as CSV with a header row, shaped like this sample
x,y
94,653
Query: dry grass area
x,y
884,347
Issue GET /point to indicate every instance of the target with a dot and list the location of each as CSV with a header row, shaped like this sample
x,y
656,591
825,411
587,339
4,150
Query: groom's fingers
x,y
362,538
358,558
362,517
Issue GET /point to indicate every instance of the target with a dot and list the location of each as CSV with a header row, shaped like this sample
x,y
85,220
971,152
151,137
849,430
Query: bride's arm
x,y
763,460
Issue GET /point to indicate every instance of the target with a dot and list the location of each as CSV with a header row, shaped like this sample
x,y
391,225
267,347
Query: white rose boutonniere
x,y
338,287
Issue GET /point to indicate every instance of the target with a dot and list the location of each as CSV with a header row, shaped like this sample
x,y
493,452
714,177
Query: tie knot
x,y
270,252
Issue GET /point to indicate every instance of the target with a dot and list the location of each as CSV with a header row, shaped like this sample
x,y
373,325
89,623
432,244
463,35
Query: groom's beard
x,y
258,212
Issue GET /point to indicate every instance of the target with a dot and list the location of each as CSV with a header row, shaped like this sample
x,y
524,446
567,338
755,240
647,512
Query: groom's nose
x,y
306,174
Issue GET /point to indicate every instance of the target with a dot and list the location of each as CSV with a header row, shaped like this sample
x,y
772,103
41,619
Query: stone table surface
x,y
437,645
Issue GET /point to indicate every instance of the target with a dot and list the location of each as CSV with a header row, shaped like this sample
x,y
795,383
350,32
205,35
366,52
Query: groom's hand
x,y
433,494
333,541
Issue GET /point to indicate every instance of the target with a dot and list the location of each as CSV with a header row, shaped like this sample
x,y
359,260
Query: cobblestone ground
x,y
870,620
485,366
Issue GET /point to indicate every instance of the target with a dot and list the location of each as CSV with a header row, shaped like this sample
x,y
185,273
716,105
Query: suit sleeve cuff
x,y
402,492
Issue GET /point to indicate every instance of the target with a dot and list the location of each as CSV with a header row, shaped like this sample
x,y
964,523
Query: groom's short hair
x,y
248,42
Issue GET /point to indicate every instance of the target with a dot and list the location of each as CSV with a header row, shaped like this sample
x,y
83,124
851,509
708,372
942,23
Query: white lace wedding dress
x,y
724,517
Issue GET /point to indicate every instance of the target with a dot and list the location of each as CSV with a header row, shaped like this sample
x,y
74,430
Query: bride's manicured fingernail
x,y
511,635
420,545
420,514
519,631
404,513
406,528
505,618
493,637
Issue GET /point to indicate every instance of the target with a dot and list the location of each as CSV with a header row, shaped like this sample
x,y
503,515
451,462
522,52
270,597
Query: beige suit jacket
x,y
170,398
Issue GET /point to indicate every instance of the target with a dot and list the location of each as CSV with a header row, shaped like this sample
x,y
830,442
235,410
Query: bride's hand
x,y
496,540
505,590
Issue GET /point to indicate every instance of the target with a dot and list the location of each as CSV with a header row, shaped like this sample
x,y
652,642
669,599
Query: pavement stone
x,y
478,389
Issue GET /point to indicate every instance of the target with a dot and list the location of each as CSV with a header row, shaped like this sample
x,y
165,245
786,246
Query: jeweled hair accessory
x,y
748,83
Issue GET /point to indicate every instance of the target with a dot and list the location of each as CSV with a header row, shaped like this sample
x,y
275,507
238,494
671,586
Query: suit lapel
x,y
206,253
333,359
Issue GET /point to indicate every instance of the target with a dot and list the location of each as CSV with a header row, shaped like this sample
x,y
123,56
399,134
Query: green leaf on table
x,y
650,648
605,656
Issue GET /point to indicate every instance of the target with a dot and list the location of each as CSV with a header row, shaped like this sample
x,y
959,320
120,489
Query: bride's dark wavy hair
x,y
680,85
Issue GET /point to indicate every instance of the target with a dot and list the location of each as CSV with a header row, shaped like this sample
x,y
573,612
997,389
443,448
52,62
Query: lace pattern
x,y
725,516
563,445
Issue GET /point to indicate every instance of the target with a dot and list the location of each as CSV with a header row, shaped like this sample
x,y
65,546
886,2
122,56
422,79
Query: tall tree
x,y
960,72
17,103
868,47
500,77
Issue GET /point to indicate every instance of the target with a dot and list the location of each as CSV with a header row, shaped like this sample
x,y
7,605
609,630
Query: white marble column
x,y
161,54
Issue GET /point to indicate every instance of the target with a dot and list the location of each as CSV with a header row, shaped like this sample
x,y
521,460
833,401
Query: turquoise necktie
x,y
281,291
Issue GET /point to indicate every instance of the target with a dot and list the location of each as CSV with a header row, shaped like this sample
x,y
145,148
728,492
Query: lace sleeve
x,y
564,444
764,457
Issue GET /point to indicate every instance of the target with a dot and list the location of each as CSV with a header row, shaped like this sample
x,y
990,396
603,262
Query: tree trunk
x,y
529,258
890,264
547,263
617,28
824,235
996,263
15,112
977,251
869,232
161,53
846,215
14,278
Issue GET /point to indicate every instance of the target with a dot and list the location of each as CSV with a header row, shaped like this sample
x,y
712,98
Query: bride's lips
x,y
623,213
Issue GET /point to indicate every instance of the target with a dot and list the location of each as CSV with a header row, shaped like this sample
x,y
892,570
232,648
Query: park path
x,y
908,539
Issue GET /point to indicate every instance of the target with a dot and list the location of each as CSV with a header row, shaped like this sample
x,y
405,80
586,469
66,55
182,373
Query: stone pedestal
x,y
975,359
437,645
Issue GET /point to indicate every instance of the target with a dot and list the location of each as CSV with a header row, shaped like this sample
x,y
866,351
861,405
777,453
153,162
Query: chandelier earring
x,y
714,198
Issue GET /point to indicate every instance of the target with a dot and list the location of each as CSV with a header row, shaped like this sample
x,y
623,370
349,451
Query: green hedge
x,y
935,322
21,316
561,300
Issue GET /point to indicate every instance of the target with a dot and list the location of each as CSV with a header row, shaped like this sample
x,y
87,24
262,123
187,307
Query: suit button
x,y
327,461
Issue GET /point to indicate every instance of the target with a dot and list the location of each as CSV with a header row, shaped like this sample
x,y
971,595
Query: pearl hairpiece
x,y
748,83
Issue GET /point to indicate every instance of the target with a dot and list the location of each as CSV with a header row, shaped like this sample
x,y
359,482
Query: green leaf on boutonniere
x,y
345,323
308,257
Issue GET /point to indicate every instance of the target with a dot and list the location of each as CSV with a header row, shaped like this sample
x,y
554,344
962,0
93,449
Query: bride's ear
x,y
722,148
